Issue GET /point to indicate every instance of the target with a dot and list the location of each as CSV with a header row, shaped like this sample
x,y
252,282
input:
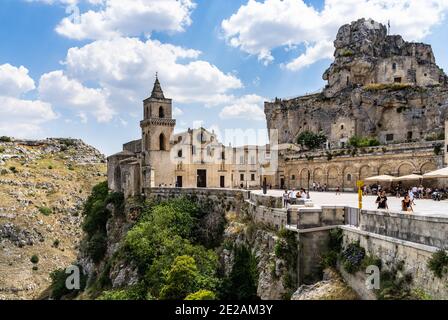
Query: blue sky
x,y
219,60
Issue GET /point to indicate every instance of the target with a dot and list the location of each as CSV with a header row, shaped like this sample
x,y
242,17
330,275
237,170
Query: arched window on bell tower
x,y
161,113
162,142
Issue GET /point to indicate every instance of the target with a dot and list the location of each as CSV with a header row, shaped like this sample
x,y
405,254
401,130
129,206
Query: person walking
x,y
382,200
293,197
338,190
406,204
285,199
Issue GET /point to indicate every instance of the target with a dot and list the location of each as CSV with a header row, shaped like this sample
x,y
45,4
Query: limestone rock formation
x,y
378,86
43,185
332,287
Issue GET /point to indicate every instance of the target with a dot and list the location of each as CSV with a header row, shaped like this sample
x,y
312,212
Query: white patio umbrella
x,y
441,173
382,178
411,177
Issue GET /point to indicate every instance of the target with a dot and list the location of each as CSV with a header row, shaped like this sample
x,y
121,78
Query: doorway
x,y
179,182
222,182
202,179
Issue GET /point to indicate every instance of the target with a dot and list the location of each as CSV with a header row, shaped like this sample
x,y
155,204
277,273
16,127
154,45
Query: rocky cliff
x,y
43,186
379,86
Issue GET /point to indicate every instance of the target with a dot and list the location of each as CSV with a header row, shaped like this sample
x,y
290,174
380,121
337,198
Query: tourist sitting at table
x,y
406,204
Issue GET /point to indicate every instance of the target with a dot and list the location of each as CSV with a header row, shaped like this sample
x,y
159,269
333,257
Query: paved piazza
x,y
423,207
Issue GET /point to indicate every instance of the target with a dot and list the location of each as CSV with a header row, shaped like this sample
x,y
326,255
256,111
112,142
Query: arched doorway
x,y
304,174
333,177
405,169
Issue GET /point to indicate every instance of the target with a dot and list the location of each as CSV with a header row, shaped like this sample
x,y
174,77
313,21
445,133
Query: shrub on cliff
x,y
360,142
311,140
438,263
241,284
5,139
201,295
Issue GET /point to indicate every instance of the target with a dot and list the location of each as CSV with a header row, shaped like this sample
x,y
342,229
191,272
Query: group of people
x,y
318,187
406,204
290,197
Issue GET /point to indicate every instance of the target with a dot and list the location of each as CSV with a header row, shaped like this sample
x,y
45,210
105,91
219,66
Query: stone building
x,y
379,86
194,158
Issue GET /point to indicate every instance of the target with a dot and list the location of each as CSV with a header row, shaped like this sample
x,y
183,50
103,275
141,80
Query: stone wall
x,y
342,168
392,251
427,230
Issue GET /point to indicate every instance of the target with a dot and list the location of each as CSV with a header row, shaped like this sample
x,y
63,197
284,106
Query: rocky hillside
x,y
43,185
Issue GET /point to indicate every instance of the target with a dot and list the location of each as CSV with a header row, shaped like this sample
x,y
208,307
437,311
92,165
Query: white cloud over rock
x,y
128,18
20,117
259,27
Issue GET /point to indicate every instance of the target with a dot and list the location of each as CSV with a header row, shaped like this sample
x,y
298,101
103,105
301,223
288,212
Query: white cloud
x,y
248,107
57,88
23,118
20,117
128,18
14,81
320,50
177,112
125,67
259,27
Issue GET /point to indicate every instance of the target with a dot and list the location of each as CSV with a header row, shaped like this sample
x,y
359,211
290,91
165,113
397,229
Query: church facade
x,y
191,159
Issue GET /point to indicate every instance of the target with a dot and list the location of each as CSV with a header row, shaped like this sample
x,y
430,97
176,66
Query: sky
x,y
81,68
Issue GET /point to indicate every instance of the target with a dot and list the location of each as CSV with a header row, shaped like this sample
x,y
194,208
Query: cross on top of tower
x,y
157,92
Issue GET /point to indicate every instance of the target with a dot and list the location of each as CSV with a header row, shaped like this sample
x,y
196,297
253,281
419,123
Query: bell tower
x,y
157,129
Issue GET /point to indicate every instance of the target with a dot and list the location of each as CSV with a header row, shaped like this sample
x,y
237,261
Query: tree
x,y
242,281
181,280
201,295
311,140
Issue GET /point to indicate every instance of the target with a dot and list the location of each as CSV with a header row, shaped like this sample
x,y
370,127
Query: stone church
x,y
191,159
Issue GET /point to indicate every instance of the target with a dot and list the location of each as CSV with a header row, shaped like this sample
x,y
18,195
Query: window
x,y
241,159
389,137
394,66
252,160
161,113
397,80
252,177
241,177
193,149
349,177
179,153
342,127
179,139
293,177
409,135
223,155
162,142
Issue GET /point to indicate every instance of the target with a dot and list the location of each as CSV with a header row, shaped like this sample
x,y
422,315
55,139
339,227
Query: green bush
x,y
360,142
181,279
438,148
438,263
241,284
45,211
201,295
97,246
135,292
58,288
352,257
2,149
311,140
34,259
5,139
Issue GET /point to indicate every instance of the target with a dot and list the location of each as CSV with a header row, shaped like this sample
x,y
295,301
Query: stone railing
x,y
427,230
